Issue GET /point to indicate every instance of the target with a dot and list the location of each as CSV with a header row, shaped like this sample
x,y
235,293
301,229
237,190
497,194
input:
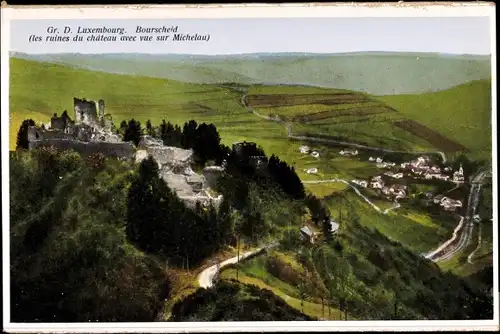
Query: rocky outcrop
x,y
175,168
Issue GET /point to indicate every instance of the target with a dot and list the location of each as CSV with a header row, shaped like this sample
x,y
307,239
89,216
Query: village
x,y
393,180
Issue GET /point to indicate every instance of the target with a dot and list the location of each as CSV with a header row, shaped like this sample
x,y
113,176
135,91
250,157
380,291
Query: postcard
x,y
249,168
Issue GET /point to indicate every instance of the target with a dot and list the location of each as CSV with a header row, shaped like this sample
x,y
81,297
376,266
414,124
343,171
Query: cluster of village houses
x,y
420,168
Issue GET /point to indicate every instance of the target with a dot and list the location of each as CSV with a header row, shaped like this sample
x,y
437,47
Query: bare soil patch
x,y
435,138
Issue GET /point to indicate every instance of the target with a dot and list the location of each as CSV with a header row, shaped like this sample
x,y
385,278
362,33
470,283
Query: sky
x,y
455,35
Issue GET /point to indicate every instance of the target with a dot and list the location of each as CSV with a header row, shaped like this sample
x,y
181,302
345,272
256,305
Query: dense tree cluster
x,y
231,301
22,135
205,141
133,132
70,260
159,222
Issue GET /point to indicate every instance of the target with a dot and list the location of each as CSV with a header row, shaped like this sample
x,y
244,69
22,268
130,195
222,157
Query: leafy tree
x,y
22,135
133,132
189,134
149,128
123,127
206,144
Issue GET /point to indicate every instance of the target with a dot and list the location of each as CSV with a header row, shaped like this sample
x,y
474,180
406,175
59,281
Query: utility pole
x,y
217,274
238,256
323,306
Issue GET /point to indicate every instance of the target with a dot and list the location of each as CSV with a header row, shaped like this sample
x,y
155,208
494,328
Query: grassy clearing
x,y
462,113
415,230
325,189
254,272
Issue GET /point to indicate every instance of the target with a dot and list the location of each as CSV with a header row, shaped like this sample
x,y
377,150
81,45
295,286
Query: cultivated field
x,y
436,139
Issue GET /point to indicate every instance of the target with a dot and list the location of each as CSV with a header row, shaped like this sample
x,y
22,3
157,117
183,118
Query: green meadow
x,y
416,230
462,113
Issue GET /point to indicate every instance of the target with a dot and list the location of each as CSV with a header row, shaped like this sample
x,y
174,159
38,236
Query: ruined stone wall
x,y
119,150
170,155
85,111
35,133
101,108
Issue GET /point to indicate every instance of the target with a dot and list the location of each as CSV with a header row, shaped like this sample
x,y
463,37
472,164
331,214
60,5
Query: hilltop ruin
x,y
91,132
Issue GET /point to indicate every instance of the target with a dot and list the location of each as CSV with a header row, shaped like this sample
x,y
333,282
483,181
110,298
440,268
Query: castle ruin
x,y
91,132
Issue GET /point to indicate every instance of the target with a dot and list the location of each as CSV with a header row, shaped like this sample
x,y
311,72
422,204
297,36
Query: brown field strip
x,y
363,111
283,100
435,138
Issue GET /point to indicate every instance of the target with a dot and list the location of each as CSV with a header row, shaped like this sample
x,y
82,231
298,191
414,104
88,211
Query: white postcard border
x,y
239,11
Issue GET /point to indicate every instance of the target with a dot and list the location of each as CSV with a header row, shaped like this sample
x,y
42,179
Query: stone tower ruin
x,y
85,111
101,109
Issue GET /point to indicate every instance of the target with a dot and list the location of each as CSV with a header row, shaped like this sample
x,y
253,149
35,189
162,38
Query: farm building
x,y
361,183
377,183
312,171
307,234
349,152
334,227
304,149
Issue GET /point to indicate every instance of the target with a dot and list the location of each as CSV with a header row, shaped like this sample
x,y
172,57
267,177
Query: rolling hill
x,y
462,113
379,73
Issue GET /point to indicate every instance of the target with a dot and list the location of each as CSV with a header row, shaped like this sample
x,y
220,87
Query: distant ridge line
x,y
267,54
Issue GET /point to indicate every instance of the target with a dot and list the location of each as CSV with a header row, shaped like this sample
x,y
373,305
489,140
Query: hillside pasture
x,y
355,111
279,100
462,114
435,138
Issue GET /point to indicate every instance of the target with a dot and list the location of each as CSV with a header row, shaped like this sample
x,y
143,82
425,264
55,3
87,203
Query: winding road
x,y
462,234
206,277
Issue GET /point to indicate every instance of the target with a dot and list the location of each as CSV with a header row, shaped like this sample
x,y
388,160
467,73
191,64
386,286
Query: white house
x,y
312,171
349,152
377,183
307,234
315,154
334,227
371,159
304,149
379,160
361,183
